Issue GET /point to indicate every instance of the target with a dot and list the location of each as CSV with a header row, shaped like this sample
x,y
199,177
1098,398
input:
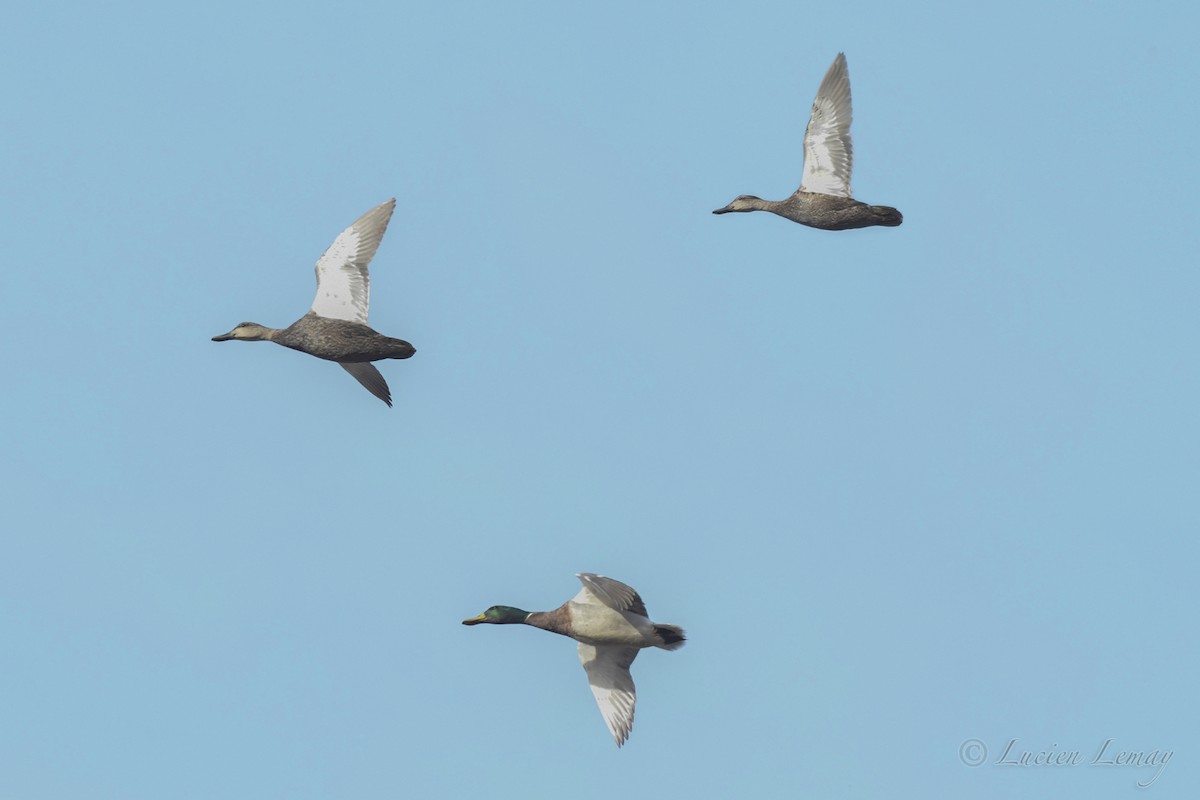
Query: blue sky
x,y
905,488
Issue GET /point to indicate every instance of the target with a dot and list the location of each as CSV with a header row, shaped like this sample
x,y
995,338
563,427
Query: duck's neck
x,y
265,334
556,621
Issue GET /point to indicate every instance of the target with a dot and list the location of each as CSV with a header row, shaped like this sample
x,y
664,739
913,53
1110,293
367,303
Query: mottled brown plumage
x,y
336,329
340,340
825,211
824,199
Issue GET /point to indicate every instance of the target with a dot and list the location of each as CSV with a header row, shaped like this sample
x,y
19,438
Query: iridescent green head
x,y
499,615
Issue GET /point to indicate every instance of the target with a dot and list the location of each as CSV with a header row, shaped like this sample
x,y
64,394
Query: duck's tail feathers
x,y
671,635
398,348
887,216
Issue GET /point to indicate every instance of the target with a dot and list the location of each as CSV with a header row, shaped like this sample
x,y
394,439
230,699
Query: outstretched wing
x,y
827,151
612,593
365,373
343,285
607,670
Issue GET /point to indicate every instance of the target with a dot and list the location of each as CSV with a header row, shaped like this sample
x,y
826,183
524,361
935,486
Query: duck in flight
x,y
335,328
609,621
823,199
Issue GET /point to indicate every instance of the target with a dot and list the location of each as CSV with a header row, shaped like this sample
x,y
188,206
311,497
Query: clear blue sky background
x,y
903,487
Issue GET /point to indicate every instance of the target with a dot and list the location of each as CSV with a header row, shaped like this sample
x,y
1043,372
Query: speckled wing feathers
x,y
608,674
343,283
828,154
612,593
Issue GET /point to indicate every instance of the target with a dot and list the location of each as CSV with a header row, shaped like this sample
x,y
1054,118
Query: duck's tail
x,y
671,635
886,215
398,348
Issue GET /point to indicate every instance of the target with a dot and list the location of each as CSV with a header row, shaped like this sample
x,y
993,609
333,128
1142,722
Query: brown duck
x,y
335,329
823,199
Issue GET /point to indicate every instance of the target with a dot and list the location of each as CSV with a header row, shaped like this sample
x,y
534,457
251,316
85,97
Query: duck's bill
x,y
475,620
724,210
224,337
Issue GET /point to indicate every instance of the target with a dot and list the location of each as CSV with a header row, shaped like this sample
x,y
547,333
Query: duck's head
x,y
246,332
743,202
499,615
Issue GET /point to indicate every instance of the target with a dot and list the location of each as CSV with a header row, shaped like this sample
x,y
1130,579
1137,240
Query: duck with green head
x,y
609,621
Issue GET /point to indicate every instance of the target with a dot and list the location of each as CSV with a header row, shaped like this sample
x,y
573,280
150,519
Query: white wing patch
x,y
608,674
343,284
828,154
